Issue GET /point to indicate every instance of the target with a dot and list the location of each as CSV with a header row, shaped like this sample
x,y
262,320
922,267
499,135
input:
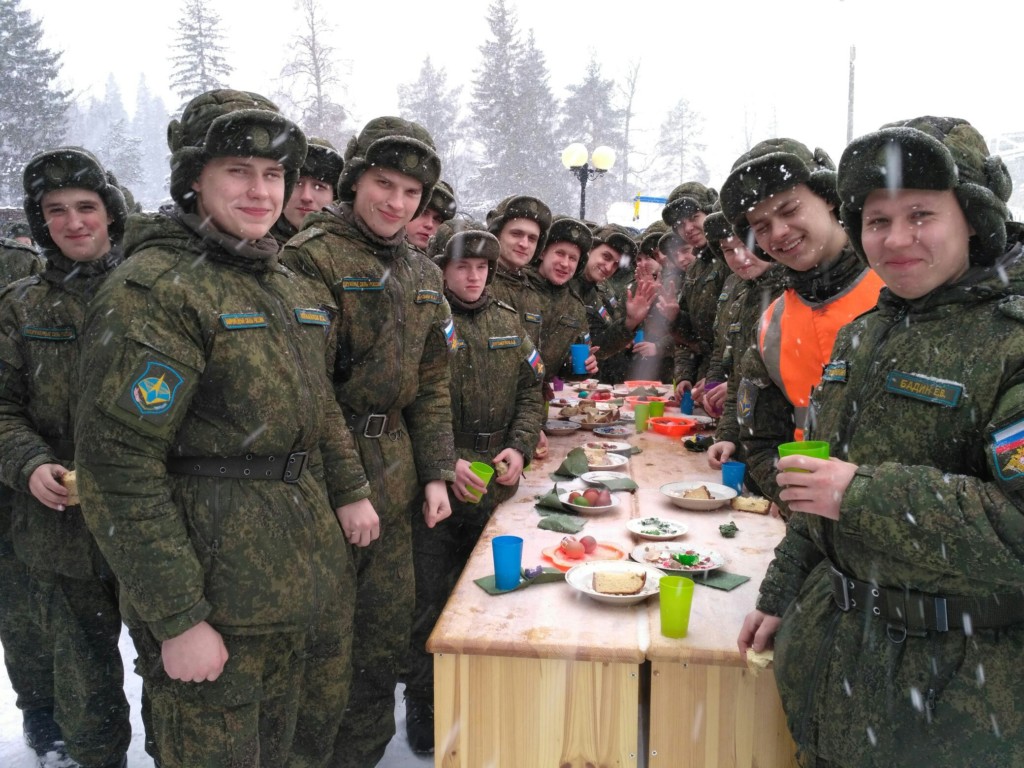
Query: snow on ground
x,y
15,754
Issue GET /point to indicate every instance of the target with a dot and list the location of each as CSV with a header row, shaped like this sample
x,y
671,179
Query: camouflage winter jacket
x,y
694,329
496,385
606,316
18,260
927,397
202,346
395,330
41,323
514,289
564,324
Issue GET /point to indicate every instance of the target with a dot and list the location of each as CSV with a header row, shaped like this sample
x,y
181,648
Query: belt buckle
x,y
840,579
381,420
292,473
482,444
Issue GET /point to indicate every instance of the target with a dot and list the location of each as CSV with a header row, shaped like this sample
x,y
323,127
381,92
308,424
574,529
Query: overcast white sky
x,y
749,67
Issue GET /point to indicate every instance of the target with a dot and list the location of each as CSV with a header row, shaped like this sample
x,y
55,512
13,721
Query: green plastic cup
x,y
485,472
657,408
817,449
675,599
642,412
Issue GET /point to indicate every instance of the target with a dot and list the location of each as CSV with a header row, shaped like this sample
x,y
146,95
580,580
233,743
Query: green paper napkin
x,y
548,575
720,579
574,465
556,521
550,502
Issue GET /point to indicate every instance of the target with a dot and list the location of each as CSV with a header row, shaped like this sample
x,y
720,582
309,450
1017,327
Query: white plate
x,y
627,415
588,510
563,402
558,427
663,530
721,494
612,446
615,430
609,461
658,555
600,478
700,419
581,578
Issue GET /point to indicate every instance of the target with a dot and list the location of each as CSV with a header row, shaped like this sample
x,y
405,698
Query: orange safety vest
x,y
795,338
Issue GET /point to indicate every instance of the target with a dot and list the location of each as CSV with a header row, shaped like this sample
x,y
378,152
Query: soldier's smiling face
x,y
466,278
797,228
558,262
309,196
78,222
518,240
242,196
386,200
602,263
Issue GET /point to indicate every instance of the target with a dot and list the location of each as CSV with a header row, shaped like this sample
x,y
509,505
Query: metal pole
x,y
849,101
584,174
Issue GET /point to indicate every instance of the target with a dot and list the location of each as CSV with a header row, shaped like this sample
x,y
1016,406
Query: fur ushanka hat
x,y
687,199
464,239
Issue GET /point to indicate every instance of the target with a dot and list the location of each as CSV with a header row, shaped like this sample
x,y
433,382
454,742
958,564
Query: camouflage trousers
x,y
89,700
28,651
439,555
385,596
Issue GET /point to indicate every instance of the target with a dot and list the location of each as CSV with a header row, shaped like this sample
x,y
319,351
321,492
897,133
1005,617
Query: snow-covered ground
x,y
14,753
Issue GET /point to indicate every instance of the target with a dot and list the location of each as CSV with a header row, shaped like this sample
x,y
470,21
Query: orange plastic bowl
x,y
641,383
634,399
673,426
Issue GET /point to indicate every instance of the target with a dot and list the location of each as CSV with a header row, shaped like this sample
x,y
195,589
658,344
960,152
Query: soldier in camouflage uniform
x,y
441,208
694,325
391,379
214,466
314,190
18,260
756,282
521,225
902,580
783,196
497,411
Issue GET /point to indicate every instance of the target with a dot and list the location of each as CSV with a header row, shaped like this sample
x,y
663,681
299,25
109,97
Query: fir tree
x,y
33,109
677,154
150,125
537,161
431,103
312,75
199,65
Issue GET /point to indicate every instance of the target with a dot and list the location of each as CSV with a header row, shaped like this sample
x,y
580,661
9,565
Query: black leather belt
x,y
286,468
374,425
907,612
481,442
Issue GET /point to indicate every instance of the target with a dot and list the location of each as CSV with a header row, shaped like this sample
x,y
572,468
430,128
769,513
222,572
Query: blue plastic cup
x,y
580,353
686,404
639,336
733,473
508,561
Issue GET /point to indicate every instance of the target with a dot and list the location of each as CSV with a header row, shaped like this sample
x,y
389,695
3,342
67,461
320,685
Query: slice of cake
x,y
619,582
756,504
700,492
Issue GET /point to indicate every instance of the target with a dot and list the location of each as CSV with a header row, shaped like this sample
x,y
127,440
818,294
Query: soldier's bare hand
x,y
819,489
359,522
758,631
714,399
591,362
514,459
196,655
720,452
44,484
465,478
645,349
436,506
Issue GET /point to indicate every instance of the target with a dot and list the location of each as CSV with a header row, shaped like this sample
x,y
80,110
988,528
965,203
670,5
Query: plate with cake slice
x,y
698,495
617,582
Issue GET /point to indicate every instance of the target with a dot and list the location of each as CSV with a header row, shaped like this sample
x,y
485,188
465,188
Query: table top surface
x,y
553,620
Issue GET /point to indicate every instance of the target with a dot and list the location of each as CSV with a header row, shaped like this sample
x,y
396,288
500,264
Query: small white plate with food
x,y
611,446
589,502
683,558
601,478
601,459
656,528
699,495
618,582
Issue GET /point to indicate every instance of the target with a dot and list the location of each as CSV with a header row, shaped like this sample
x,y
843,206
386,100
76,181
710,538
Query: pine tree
x,y
311,77
624,163
33,110
431,103
537,165
677,154
150,125
199,65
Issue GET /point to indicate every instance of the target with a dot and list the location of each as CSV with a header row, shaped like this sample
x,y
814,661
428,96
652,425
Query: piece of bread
x,y
755,504
758,660
700,492
69,481
619,582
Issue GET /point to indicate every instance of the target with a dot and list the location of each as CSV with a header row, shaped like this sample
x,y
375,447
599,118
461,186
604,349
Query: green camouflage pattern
x,y
41,324
17,261
565,321
514,289
395,335
694,328
496,385
929,414
606,315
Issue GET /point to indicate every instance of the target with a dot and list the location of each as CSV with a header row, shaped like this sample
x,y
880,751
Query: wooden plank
x,y
512,713
704,715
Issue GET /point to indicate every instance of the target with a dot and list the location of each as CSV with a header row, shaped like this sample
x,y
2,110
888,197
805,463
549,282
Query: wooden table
x,y
548,677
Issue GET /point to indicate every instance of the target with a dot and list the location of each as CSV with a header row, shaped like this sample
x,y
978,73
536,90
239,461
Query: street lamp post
x,y
574,158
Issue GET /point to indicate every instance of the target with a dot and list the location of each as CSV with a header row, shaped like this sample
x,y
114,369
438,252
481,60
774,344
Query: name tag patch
x,y
735,327
835,371
427,297
503,342
243,320
312,316
352,283
923,388
531,317
61,333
